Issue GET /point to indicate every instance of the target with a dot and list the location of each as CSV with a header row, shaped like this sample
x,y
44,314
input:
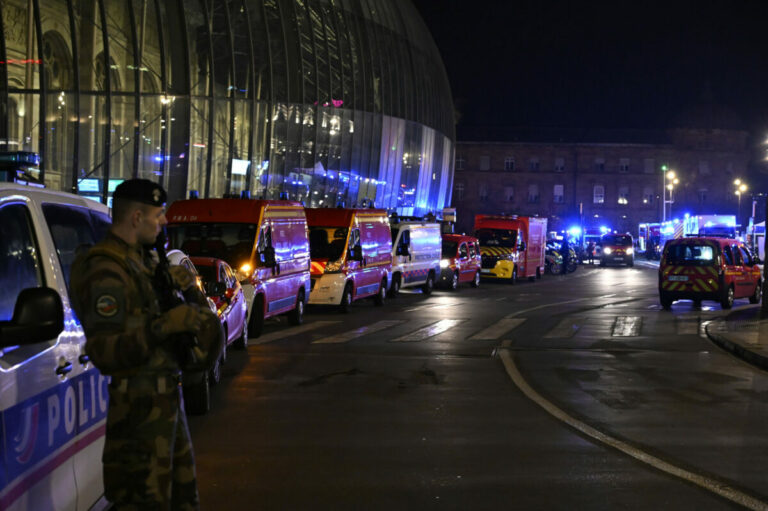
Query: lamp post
x,y
741,187
670,180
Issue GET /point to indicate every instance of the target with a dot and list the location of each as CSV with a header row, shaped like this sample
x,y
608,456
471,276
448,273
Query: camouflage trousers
x,y
148,458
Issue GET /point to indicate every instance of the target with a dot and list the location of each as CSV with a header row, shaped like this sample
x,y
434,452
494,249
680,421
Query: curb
x,y
740,351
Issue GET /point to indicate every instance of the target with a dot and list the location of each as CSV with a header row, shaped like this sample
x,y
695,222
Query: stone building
x,y
610,178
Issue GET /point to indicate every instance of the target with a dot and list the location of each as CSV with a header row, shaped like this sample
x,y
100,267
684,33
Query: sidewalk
x,y
743,333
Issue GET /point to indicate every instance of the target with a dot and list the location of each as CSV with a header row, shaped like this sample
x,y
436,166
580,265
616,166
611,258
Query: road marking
x,y
498,329
429,331
433,306
627,326
282,334
359,332
718,487
566,329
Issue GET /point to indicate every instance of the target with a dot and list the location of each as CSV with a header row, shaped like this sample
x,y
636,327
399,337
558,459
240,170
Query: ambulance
x,y
416,254
351,255
53,402
264,241
511,247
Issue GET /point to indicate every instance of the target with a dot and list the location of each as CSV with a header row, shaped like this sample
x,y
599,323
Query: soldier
x,y
148,459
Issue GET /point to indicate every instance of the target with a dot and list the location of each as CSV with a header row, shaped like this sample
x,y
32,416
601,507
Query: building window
x,y
509,163
598,194
704,168
649,165
599,164
533,194
702,195
460,162
458,191
623,195
509,193
485,162
624,165
533,164
559,164
647,195
482,191
559,194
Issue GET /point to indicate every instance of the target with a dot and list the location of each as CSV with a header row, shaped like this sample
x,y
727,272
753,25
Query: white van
x,y
53,402
416,252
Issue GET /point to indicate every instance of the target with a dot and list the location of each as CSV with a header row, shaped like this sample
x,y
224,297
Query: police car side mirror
x,y
37,317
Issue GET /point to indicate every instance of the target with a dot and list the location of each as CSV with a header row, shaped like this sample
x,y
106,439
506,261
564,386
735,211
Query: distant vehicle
x,y
649,240
264,241
512,247
461,261
53,404
416,249
351,255
616,249
707,268
21,167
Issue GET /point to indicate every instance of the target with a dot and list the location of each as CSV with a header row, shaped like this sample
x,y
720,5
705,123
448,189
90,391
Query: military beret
x,y
141,190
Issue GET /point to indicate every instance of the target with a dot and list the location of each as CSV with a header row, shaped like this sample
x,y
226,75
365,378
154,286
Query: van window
x,y
231,242
745,256
71,227
690,255
449,249
617,240
737,256
472,251
19,257
327,242
497,237
463,250
728,256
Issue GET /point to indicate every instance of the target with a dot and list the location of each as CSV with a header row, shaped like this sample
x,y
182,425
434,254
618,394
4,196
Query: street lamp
x,y
741,187
670,180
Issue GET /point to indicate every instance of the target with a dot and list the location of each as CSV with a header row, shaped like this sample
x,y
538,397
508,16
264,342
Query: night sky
x,y
601,64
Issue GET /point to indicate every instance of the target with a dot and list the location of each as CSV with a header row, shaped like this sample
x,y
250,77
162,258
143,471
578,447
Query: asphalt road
x,y
571,392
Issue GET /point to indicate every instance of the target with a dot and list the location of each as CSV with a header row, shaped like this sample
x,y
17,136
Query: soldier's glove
x,y
180,319
182,277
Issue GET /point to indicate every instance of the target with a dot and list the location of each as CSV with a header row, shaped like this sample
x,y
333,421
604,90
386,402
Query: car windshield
x,y
690,254
449,249
497,237
230,242
208,273
327,242
617,240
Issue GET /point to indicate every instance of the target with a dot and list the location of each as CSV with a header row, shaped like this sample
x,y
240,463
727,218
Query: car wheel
x,y
666,300
476,281
394,289
755,298
381,297
454,285
429,285
346,299
296,316
554,268
197,397
256,323
727,301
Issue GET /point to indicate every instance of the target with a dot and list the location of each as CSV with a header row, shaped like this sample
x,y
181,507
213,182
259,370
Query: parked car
x,y
461,261
226,292
46,377
704,268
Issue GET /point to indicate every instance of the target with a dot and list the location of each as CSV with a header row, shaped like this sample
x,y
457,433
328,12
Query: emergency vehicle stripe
x,y
429,331
497,251
695,288
701,270
318,268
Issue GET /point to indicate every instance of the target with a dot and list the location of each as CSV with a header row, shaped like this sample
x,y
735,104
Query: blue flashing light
x,y
575,231
604,229
158,159
687,215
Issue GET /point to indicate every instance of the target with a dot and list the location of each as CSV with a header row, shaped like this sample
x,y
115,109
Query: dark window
x,y
472,251
745,256
449,249
19,257
737,256
230,242
728,256
463,251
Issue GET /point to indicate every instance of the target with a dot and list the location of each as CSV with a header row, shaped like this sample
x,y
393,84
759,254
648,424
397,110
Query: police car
x,y
53,402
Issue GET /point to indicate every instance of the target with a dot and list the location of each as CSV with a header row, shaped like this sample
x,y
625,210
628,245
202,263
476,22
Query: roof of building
x,y
562,135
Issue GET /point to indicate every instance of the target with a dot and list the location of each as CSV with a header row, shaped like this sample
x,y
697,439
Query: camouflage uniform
x,y
148,459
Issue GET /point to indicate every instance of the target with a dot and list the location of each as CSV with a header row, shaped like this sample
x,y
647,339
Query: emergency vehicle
x,y
351,255
461,261
416,251
53,404
649,240
264,241
512,247
708,268
616,249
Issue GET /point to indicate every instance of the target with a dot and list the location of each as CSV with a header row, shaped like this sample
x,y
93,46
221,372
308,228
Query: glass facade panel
x,y
198,147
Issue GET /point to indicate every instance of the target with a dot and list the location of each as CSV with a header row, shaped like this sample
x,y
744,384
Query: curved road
x,y
439,403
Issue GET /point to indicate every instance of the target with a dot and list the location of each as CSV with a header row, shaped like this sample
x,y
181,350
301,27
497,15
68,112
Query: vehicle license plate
x,y
678,278
618,258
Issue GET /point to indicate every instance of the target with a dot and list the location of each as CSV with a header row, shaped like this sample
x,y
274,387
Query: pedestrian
x,y
148,461
565,250
591,252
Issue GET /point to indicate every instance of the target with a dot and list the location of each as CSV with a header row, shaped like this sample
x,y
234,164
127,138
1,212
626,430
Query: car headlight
x,y
333,267
630,251
445,263
606,250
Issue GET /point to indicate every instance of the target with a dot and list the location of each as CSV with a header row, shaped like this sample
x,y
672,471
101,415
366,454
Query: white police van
x,y
53,402
416,253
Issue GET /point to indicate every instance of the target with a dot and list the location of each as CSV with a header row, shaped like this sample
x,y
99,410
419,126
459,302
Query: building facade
x,y
322,100
595,179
